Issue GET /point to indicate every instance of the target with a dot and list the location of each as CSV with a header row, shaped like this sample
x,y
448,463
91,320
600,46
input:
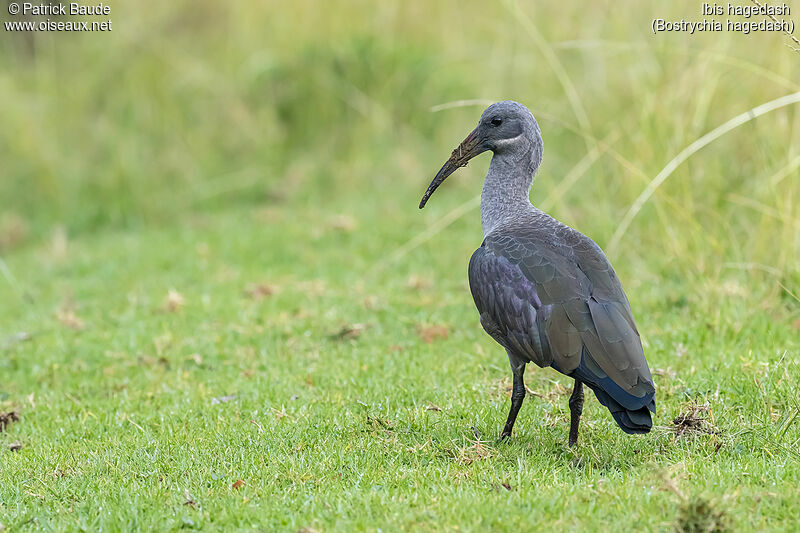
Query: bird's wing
x,y
549,294
509,306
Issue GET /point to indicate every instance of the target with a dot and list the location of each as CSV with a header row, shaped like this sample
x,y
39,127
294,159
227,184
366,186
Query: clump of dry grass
x,y
690,421
476,450
7,418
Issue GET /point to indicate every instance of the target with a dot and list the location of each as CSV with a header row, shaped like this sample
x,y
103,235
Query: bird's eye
x,y
497,121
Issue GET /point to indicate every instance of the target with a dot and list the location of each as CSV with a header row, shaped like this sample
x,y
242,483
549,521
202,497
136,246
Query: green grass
x,y
217,154
118,418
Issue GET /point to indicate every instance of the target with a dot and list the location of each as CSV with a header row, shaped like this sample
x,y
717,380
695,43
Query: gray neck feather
x,y
506,190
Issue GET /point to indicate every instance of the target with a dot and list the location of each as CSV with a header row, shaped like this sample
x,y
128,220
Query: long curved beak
x,y
469,148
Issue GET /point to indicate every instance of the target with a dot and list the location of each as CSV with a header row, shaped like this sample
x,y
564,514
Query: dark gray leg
x,y
517,395
575,409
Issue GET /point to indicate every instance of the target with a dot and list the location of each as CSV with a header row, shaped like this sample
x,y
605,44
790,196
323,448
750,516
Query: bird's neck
x,y
506,189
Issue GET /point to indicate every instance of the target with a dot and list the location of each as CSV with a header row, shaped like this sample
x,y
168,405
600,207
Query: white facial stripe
x,y
503,142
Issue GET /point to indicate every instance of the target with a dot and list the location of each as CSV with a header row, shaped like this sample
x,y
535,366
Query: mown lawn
x,y
238,370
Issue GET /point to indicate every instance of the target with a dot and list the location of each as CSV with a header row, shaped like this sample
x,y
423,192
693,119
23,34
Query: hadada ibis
x,y
546,292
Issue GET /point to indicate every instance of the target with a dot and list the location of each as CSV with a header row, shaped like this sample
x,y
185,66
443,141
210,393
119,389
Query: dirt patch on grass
x,y
693,421
173,302
428,334
349,332
259,291
699,515
7,418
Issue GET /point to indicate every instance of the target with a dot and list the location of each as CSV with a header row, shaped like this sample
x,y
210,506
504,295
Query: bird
x,y
544,291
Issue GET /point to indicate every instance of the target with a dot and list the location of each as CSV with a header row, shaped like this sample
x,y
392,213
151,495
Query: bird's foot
x,y
572,442
504,437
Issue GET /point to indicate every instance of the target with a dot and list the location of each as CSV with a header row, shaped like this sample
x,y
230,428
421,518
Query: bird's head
x,y
504,128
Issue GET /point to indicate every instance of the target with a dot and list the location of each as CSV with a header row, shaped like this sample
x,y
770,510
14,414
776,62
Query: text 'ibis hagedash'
x,y
544,291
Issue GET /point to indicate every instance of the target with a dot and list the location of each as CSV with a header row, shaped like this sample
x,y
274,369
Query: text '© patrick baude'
x,y
73,8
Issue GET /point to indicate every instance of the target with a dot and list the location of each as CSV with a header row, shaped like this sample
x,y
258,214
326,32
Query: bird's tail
x,y
630,421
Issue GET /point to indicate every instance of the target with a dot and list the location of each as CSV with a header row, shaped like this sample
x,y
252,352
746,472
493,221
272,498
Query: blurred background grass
x,y
192,107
